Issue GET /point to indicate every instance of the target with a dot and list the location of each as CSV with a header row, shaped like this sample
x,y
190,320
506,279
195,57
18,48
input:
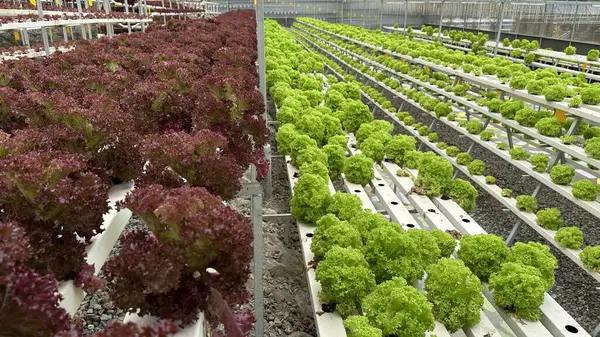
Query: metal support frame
x,y
560,155
574,22
517,226
405,15
596,332
257,201
44,29
499,30
439,36
509,137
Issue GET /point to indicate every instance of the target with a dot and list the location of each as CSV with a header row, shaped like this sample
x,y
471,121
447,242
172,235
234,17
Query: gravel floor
x,y
97,310
288,309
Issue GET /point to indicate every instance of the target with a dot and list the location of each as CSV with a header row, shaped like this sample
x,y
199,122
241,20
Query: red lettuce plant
x,y
28,300
164,273
60,206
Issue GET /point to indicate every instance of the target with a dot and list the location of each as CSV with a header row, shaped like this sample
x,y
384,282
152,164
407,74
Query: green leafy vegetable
x,y
519,288
569,237
399,309
455,293
526,203
358,169
483,254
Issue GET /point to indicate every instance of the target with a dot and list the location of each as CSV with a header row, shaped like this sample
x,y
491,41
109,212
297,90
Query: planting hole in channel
x,y
571,329
356,191
409,225
394,203
310,235
466,220
431,210
380,184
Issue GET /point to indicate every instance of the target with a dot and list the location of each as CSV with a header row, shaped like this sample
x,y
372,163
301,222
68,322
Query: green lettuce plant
x,y
486,135
398,146
476,167
338,140
285,136
570,50
374,149
540,162
435,175
585,190
518,153
359,326
483,254
562,174
339,234
455,293
536,255
590,256
311,198
452,151
463,158
526,203
344,206
336,157
358,169
509,108
474,127
444,241
548,126
590,95
527,117
569,237
309,155
490,180
592,147
519,288
549,218
464,194
556,92
507,192
345,279
316,168
399,309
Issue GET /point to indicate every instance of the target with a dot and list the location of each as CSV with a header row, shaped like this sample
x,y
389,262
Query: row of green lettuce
x,y
549,218
522,48
366,265
544,121
546,82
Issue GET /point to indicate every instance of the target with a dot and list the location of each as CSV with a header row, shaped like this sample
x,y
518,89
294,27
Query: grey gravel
x,y
97,310
288,309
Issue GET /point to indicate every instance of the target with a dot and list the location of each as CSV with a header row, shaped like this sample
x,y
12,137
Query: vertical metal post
x,y
66,36
257,200
499,28
127,12
574,21
44,29
441,19
543,32
380,14
108,25
405,16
